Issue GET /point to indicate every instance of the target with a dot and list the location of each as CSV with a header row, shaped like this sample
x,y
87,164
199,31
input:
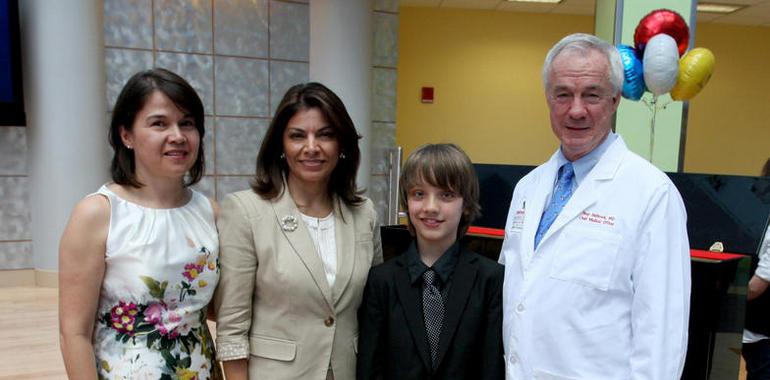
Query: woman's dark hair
x,y
131,100
271,168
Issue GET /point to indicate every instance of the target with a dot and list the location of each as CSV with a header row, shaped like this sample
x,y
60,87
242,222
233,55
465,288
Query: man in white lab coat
x,y
596,254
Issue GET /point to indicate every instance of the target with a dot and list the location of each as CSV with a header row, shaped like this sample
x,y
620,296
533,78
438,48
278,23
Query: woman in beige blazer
x,y
295,250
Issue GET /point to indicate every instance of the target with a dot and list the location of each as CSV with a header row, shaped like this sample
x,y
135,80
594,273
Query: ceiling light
x,y
535,1
718,8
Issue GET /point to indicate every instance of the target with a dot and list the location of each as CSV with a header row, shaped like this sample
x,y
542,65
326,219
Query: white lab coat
x,y
606,295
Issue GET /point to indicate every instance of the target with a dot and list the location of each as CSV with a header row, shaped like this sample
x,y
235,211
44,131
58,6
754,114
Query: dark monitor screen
x,y
496,183
6,79
727,208
11,97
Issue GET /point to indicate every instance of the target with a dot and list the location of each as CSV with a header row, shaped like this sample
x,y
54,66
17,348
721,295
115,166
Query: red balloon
x,y
662,21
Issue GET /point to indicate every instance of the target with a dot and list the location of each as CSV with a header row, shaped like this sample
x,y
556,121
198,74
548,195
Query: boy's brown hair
x,y
445,166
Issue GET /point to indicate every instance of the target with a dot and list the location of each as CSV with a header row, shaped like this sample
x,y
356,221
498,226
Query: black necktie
x,y
433,310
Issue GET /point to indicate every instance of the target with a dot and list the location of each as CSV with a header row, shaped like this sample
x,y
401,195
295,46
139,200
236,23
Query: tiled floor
x,y
29,334
30,348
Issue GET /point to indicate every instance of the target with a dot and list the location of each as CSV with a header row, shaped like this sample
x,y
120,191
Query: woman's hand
x,y
236,369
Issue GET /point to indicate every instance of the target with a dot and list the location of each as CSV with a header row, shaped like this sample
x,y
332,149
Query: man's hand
x,y
757,286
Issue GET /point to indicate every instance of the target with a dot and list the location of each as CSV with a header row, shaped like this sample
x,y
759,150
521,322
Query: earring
x,y
283,156
342,156
129,147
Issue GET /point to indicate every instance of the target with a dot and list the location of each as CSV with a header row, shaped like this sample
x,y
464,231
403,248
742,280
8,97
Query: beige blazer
x,y
274,304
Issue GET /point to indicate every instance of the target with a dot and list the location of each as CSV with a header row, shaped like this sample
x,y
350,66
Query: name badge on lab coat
x,y
517,223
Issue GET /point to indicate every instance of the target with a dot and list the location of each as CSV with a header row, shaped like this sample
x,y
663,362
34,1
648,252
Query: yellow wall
x,y
485,68
728,129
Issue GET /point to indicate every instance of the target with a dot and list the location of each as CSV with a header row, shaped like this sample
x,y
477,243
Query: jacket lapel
x,y
584,196
534,209
462,283
411,300
300,240
345,239
588,192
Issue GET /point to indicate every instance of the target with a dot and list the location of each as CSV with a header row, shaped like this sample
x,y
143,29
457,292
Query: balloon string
x,y
654,107
647,103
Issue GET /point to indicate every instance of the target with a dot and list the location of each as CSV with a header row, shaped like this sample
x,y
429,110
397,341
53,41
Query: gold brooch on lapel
x,y
289,223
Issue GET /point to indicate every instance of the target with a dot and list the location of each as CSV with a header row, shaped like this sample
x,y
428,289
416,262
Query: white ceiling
x,y
754,13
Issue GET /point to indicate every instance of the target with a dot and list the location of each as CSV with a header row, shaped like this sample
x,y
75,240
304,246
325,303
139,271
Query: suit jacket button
x,y
328,322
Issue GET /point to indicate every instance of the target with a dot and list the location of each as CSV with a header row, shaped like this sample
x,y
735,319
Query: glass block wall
x,y
241,56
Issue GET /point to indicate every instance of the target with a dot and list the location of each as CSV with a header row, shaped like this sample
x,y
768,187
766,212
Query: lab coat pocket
x,y
273,348
586,256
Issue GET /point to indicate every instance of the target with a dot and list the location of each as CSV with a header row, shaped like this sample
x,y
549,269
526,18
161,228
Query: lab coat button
x,y
513,359
520,308
328,322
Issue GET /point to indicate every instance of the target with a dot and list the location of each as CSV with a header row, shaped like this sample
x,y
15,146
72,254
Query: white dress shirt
x,y
322,233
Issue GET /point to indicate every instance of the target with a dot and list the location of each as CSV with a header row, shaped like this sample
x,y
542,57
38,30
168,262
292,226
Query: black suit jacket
x,y
393,343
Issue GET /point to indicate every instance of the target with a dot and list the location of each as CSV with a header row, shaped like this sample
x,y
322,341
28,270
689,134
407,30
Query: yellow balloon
x,y
695,70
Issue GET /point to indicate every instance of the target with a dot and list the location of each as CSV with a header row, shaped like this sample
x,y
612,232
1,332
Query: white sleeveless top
x,y
162,266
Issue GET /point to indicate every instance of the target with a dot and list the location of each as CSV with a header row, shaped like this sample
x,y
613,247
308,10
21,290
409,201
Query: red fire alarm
x,y
426,95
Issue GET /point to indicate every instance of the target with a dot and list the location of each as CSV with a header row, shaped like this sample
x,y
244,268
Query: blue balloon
x,y
633,81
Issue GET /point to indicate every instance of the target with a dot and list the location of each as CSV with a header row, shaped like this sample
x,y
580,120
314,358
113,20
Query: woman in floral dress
x,y
139,258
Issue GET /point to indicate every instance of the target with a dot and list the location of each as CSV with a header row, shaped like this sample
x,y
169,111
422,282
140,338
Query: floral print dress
x,y
162,266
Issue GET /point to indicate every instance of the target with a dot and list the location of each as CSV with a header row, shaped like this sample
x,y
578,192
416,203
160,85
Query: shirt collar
x,y
583,165
444,266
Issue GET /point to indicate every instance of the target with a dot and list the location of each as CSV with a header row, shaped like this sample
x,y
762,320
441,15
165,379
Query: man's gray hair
x,y
582,42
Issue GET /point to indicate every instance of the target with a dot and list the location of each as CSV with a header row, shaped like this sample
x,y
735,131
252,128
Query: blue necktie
x,y
561,195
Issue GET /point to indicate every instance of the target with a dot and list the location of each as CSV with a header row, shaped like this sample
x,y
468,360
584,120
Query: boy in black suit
x,y
435,311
